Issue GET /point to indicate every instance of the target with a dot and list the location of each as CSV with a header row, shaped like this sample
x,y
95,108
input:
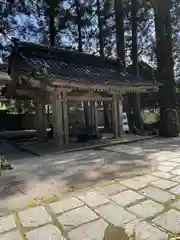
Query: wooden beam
x,y
26,92
101,88
84,98
50,88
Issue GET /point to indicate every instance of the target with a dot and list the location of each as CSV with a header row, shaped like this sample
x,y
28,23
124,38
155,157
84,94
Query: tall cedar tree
x,y
52,6
135,97
119,23
169,126
78,13
101,51
80,49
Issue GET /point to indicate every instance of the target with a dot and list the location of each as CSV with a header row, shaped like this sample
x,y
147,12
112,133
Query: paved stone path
x,y
144,207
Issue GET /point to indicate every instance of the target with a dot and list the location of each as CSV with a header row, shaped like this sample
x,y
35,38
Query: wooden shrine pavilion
x,y
58,77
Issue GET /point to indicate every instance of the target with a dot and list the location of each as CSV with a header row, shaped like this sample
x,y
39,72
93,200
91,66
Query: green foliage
x,y
66,25
22,106
177,90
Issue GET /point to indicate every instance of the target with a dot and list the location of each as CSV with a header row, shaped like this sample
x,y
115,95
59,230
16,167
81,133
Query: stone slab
x,y
146,209
34,217
111,189
144,231
176,171
90,231
165,168
173,164
157,194
76,217
164,175
127,197
177,160
93,199
115,214
49,232
176,204
170,221
160,158
176,179
175,190
164,184
65,205
146,178
134,184
7,223
11,236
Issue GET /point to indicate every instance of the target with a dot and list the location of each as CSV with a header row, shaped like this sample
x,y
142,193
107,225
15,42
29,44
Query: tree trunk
x,y
52,29
100,26
134,52
134,98
119,21
78,12
169,124
80,49
52,40
101,51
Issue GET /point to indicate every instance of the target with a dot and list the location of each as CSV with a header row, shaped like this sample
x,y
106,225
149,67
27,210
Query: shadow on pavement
x,y
112,233
34,177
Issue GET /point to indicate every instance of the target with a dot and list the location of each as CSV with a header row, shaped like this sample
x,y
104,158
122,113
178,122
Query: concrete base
x,y
49,147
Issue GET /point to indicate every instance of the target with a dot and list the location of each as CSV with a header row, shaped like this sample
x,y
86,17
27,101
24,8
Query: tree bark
x,y
78,12
119,21
101,51
52,28
169,124
80,49
100,26
52,39
134,98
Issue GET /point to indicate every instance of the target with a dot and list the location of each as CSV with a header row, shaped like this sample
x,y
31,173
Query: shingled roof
x,y
72,66
146,72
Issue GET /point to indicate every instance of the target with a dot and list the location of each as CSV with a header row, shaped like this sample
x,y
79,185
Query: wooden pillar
x,y
65,118
120,117
57,119
105,115
96,118
87,114
44,118
37,120
41,120
92,110
54,103
115,115
90,113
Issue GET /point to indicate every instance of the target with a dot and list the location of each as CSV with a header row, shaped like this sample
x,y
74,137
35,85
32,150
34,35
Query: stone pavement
x,y
142,207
